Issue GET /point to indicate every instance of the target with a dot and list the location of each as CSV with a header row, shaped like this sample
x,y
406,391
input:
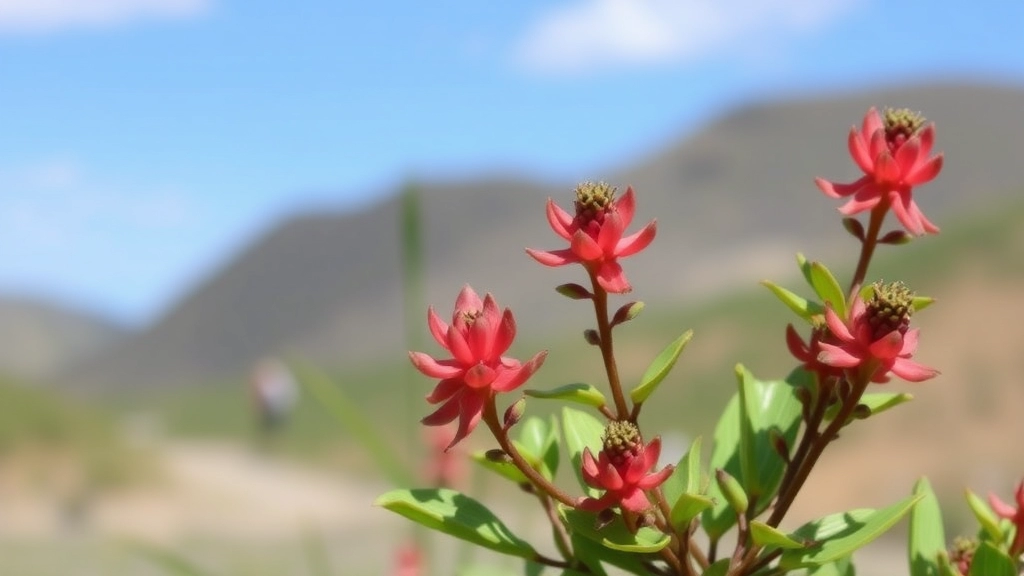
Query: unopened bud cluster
x,y
900,125
622,441
890,309
593,200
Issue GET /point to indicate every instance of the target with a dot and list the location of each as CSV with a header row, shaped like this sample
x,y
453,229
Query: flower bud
x,y
733,492
497,455
592,337
627,312
854,227
574,291
895,237
514,413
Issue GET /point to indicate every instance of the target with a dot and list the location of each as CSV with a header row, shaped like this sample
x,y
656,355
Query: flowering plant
x,y
720,516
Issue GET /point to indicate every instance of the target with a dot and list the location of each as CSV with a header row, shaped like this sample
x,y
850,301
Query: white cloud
x,y
593,34
42,16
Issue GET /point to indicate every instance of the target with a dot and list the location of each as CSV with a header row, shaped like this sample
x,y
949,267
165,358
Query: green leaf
x,y
457,515
170,561
765,535
927,538
538,443
581,431
827,288
876,402
578,392
921,302
843,567
615,535
686,476
803,307
805,268
660,368
725,455
991,561
986,517
764,407
719,568
839,535
506,470
592,554
688,507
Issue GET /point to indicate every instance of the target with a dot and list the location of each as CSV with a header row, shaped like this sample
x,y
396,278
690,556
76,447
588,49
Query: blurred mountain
x,y
42,339
734,201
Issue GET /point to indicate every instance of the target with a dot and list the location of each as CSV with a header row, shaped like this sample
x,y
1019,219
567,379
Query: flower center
x,y
890,309
470,316
622,441
592,202
900,125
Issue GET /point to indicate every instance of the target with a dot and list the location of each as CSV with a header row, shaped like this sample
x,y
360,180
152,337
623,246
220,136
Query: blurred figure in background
x,y
274,393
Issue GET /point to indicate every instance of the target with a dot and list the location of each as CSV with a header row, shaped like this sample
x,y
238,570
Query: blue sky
x,y
142,142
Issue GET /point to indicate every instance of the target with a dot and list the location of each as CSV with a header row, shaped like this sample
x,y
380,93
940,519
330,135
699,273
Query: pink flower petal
x,y
611,277
468,301
470,409
636,242
459,348
836,325
927,138
925,171
560,220
796,345
434,368
887,347
652,481
836,356
445,389
611,479
837,190
912,371
910,342
856,206
585,247
443,415
636,501
1001,508
596,504
872,121
554,257
876,146
899,202
509,380
505,334
625,205
611,232
886,168
438,328
907,155
858,145
479,376
589,467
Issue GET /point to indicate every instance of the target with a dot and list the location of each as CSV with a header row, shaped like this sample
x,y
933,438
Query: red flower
x,y
595,234
1015,515
876,337
477,337
408,561
808,354
894,157
622,470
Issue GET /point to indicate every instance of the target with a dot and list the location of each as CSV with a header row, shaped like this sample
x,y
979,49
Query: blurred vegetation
x,y
53,442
